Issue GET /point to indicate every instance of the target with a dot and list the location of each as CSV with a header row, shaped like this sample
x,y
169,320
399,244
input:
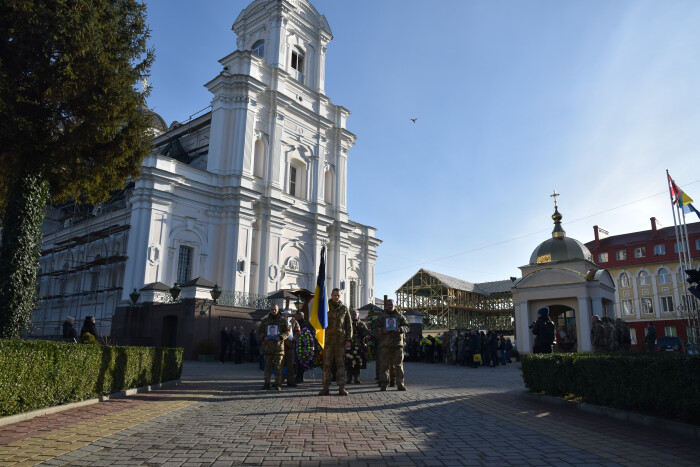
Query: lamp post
x,y
175,291
134,296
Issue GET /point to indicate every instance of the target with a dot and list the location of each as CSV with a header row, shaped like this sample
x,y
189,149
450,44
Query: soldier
x,y
338,337
622,335
272,332
393,326
289,349
360,333
609,334
598,335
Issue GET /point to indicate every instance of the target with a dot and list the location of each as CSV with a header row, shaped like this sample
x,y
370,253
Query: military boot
x,y
357,380
400,387
324,392
392,383
382,387
342,391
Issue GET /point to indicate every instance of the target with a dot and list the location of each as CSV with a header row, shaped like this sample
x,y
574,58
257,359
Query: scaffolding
x,y
450,303
88,276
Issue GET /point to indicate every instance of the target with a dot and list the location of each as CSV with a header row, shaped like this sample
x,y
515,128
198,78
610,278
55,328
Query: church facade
x,y
245,195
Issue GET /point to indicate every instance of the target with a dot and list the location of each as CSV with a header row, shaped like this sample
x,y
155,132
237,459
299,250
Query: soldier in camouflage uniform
x,y
391,343
360,334
611,345
273,347
289,360
598,335
622,335
338,337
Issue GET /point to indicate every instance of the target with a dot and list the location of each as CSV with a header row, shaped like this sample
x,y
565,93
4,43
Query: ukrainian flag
x,y
319,309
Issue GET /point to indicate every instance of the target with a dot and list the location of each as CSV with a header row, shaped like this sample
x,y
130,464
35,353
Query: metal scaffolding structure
x,y
450,303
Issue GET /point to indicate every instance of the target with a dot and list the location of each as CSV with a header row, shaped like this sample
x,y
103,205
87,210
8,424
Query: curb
x,y
10,419
680,428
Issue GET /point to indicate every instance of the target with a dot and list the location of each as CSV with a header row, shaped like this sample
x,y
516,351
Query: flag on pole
x,y
319,309
678,195
688,208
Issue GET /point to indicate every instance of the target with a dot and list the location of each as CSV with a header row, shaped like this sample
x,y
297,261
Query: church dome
x,y
559,247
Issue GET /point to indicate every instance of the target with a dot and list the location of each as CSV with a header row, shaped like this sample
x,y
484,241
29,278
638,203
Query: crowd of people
x,y
466,348
235,345
88,333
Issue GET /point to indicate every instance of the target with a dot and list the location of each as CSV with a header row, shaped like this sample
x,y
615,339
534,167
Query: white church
x,y
244,196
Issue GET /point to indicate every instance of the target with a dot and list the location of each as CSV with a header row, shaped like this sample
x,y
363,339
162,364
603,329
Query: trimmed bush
x,y
37,374
666,385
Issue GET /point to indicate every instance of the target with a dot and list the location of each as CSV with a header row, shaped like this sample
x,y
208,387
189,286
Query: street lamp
x,y
175,291
134,296
207,304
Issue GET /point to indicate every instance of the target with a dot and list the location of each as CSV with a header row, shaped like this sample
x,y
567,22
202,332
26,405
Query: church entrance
x,y
564,318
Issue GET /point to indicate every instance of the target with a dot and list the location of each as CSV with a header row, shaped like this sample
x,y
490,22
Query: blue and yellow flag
x,y
319,309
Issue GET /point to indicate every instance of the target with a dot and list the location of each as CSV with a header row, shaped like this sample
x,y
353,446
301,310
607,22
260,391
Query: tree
x,y
72,122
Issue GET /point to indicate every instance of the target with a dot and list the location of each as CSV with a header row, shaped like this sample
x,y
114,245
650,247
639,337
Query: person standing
x,y
88,333
651,338
223,344
69,332
543,330
474,345
598,335
622,335
358,348
337,340
272,332
290,349
232,339
393,326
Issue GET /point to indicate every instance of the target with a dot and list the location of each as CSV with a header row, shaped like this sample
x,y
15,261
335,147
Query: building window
x,y
603,257
624,280
664,276
353,295
640,252
647,308
697,244
621,255
292,180
659,250
184,265
298,64
644,278
666,304
627,307
678,247
670,331
259,48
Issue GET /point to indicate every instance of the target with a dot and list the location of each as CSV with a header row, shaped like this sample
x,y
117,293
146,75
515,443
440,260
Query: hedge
x,y
38,374
659,384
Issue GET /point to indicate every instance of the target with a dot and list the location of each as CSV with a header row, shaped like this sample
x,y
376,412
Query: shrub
x,y
36,374
658,384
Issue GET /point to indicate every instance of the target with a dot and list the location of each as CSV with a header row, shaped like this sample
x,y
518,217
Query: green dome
x,y
559,247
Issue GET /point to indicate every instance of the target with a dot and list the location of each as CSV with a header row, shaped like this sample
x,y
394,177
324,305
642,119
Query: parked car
x,y
669,344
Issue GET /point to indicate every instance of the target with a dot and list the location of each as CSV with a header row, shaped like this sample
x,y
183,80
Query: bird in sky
x,y
414,120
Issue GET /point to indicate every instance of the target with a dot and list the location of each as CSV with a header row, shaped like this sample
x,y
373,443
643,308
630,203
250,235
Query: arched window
x,y
298,65
328,187
624,280
259,159
664,276
644,278
259,48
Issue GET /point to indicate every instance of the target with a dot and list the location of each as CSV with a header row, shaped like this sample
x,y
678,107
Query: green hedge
x,y
38,374
667,385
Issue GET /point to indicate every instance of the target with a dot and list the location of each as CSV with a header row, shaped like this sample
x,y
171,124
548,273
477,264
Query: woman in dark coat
x,y
89,327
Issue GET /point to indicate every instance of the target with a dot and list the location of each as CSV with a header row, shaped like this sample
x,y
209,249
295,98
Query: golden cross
x,y
144,83
554,195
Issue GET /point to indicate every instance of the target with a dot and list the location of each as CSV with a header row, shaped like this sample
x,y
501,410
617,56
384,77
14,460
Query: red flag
x,y
675,191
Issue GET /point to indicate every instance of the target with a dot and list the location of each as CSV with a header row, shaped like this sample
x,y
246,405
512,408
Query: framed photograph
x,y
390,324
272,331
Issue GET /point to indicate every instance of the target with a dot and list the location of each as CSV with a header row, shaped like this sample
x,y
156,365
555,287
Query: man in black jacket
x,y
543,329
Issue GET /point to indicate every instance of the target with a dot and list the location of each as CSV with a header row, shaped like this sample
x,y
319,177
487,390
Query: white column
x,y
583,321
523,333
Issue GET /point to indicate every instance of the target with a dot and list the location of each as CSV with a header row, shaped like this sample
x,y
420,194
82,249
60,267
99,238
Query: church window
x,y
184,264
328,187
353,295
664,276
292,180
644,278
259,48
259,159
298,64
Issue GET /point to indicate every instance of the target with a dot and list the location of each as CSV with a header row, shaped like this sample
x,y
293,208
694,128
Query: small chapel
x,y
561,275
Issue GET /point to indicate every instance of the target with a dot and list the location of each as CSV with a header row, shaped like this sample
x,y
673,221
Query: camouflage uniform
x,y
391,348
599,337
338,332
290,350
609,334
273,349
622,335
360,333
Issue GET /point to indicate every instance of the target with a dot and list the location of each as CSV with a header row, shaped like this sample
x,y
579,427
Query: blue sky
x,y
514,99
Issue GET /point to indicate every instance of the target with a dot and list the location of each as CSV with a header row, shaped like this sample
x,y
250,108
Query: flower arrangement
x,y
352,357
305,348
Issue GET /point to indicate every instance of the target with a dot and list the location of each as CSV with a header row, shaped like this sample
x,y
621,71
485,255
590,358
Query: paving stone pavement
x,y
449,416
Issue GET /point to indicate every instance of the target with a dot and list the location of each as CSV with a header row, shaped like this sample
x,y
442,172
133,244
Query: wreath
x,y
305,348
